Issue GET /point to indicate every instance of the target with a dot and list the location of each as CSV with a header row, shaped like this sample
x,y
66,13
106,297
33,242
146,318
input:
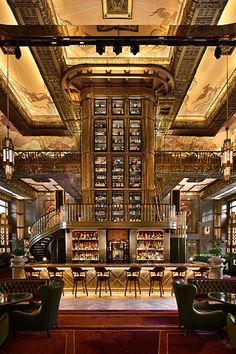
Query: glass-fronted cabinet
x,y
100,173
100,135
118,206
117,107
117,152
100,206
135,141
85,246
117,172
150,246
135,172
118,136
100,107
135,107
135,206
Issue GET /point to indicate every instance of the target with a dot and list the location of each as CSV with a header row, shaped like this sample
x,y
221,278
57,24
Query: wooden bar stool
x,y
178,273
201,273
79,276
55,273
31,273
102,276
157,275
133,276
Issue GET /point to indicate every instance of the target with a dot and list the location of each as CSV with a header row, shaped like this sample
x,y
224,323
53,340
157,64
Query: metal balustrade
x,y
87,213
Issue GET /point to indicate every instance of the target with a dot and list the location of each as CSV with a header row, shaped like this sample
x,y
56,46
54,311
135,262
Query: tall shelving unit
x,y
150,246
231,236
117,151
85,246
4,234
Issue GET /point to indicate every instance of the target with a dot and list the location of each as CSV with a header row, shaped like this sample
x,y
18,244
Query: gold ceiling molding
x,y
162,81
117,8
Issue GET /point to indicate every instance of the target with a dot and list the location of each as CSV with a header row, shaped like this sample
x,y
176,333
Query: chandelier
x,y
227,148
7,146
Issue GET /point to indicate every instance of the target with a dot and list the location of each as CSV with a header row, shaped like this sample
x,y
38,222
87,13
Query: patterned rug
x,y
117,332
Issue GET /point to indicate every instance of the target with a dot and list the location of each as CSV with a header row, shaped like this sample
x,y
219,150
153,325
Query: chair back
x,y
159,270
231,330
31,273
78,272
133,271
184,294
50,297
101,270
204,272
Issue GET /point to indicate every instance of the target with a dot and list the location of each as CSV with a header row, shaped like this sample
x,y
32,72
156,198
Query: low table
x,y
13,298
225,298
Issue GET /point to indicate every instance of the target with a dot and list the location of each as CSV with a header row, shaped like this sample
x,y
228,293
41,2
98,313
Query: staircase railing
x,y
88,213
45,222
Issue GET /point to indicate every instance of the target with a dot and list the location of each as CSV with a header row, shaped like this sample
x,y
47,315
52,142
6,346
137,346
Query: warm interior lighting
x,y
227,148
7,146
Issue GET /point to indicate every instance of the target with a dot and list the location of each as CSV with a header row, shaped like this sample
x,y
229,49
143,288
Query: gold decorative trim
x,y
117,8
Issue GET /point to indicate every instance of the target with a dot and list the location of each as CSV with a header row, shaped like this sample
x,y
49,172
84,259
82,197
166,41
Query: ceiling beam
x,y
52,35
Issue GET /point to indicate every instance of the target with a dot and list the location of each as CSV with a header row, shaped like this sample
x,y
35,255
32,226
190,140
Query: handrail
x,y
46,221
88,213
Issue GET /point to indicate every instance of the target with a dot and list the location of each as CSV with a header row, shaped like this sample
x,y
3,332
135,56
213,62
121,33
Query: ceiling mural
x,y
36,142
204,91
144,12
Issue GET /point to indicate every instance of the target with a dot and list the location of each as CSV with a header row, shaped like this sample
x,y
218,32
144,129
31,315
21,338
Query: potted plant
x,y
18,257
18,252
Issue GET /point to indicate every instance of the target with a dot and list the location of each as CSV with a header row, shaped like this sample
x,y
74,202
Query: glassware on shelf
x,y
100,107
135,107
117,107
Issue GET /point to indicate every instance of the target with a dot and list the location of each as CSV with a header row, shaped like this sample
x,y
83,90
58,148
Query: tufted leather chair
x,y
4,327
44,318
231,330
189,316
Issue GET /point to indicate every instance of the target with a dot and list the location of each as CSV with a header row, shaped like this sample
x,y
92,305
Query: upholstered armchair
x,y
231,330
4,327
45,317
191,317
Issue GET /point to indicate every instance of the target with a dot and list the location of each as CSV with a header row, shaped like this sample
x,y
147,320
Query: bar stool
x,y
79,276
55,273
32,273
157,275
103,276
201,273
133,275
178,273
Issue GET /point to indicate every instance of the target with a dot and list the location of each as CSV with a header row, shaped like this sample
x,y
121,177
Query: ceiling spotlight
x,y
217,53
117,48
100,48
134,48
17,52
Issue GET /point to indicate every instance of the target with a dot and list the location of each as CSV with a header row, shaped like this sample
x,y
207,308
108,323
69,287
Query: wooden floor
x,y
117,302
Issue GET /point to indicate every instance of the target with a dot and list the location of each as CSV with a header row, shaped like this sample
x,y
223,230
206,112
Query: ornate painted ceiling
x,y
41,116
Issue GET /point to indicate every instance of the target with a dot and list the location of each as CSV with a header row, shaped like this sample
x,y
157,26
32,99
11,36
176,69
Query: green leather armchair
x,y
45,317
192,318
231,330
4,327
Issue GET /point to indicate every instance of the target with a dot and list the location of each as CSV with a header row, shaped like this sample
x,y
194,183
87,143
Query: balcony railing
x,y
87,213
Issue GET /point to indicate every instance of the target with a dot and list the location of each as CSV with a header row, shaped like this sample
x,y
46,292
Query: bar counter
x,y
118,274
